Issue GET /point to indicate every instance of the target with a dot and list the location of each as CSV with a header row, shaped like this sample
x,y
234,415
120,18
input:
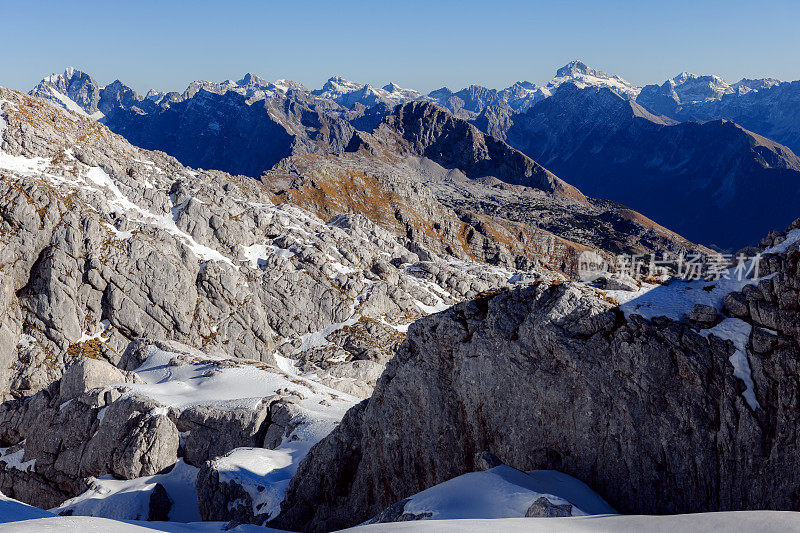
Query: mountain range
x,y
665,150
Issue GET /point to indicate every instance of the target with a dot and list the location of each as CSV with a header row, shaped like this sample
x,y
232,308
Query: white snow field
x,y
728,522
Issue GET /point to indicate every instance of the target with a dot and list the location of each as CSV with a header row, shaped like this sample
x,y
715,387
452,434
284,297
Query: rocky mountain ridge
x,y
617,145
697,178
428,174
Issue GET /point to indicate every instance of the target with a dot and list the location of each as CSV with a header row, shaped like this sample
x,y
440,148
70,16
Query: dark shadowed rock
x,y
704,316
160,504
544,508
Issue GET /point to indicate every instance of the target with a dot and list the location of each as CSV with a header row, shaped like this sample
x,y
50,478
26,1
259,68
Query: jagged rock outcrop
x,y
102,431
647,413
430,131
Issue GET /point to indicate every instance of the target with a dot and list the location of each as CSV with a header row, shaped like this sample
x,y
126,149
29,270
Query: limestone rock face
x,y
213,432
649,414
102,243
96,433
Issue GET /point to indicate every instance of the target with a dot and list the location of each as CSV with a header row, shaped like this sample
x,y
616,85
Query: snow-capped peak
x,y
745,85
693,88
578,73
73,90
348,93
576,68
251,79
284,85
65,77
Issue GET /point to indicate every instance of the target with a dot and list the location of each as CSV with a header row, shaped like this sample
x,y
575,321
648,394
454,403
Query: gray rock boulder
x,y
704,316
212,432
86,374
621,282
102,431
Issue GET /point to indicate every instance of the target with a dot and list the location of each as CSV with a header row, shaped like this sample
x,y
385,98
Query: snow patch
x,y
503,492
738,332
14,459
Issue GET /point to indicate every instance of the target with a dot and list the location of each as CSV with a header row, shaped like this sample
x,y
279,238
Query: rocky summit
x,y
256,304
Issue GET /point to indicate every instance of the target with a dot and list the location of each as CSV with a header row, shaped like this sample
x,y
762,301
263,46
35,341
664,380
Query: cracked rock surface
x,y
553,376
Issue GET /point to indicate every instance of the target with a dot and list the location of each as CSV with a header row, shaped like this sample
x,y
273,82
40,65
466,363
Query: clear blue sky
x,y
418,44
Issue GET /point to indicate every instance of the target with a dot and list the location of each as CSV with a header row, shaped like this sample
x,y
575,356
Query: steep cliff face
x,y
652,414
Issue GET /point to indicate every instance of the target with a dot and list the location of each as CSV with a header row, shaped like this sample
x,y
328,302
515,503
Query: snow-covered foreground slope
x,y
17,516
730,522
12,510
179,381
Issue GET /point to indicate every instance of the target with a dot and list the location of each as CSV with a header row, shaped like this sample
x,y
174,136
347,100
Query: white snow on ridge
x,y
166,222
22,164
676,299
70,105
738,332
582,76
96,179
